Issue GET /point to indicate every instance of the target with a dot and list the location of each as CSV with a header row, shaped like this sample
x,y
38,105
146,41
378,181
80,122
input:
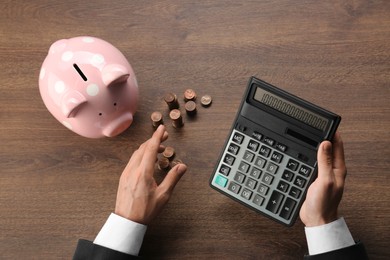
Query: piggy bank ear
x,y
58,46
114,73
71,103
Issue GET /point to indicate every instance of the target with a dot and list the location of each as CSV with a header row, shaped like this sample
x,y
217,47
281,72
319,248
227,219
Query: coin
x,y
169,152
190,107
177,120
206,100
171,100
157,119
163,163
189,94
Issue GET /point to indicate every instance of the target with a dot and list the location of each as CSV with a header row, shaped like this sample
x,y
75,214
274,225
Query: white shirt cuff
x,y
328,237
121,234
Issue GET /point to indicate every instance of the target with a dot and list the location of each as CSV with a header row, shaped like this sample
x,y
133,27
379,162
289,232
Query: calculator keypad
x,y
257,171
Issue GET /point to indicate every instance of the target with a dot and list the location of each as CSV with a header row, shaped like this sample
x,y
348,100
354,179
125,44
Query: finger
x,y
137,156
152,147
325,160
172,178
338,156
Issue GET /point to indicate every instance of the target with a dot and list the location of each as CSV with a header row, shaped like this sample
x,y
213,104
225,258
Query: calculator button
x,y
292,165
221,181
248,156
238,138
229,159
299,181
253,145
251,183
295,192
264,151
281,147
287,175
258,200
224,170
239,177
257,135
232,148
274,202
244,167
276,157
271,168
263,190
260,162
234,187
304,170
255,173
246,194
269,141
287,208
267,179
283,186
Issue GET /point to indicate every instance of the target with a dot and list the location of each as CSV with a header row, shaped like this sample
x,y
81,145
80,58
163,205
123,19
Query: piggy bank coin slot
x,y
79,71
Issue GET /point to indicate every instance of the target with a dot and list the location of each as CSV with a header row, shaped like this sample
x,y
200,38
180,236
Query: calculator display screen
x,y
288,108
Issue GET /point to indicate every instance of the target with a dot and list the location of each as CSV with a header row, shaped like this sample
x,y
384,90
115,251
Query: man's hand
x,y
139,198
324,194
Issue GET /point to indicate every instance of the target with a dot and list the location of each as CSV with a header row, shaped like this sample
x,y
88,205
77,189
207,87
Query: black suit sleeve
x,y
355,252
86,250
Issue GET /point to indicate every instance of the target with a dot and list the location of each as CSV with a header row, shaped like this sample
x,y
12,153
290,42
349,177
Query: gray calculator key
x,y
292,165
244,167
287,208
277,157
295,192
246,194
260,162
258,200
272,168
229,159
287,175
264,151
267,179
263,190
253,145
234,187
233,148
255,173
248,156
304,170
224,170
299,181
238,138
239,177
251,183
274,202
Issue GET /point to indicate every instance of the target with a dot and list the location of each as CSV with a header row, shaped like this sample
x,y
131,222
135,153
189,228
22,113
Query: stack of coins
x,y
190,107
206,100
163,163
169,153
177,120
189,95
171,100
157,119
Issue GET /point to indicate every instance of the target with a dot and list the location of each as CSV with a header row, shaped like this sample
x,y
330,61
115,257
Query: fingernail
x,y
181,168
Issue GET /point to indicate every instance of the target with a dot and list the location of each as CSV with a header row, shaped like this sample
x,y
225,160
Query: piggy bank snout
x,y
118,125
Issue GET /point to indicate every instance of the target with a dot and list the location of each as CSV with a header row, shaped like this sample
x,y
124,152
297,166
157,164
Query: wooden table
x,y
57,187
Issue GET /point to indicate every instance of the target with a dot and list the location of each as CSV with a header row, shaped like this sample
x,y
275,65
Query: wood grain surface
x,y
57,187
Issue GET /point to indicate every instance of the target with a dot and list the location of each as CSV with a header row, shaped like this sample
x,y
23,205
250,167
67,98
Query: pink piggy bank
x,y
88,85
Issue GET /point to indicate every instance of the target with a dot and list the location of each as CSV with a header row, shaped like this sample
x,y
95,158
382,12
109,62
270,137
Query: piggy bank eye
x,y
100,114
115,104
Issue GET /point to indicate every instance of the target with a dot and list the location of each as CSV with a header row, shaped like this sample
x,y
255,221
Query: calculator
x,y
270,156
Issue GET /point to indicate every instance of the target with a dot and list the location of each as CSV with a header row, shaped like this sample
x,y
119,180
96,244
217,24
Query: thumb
x,y
325,159
172,178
